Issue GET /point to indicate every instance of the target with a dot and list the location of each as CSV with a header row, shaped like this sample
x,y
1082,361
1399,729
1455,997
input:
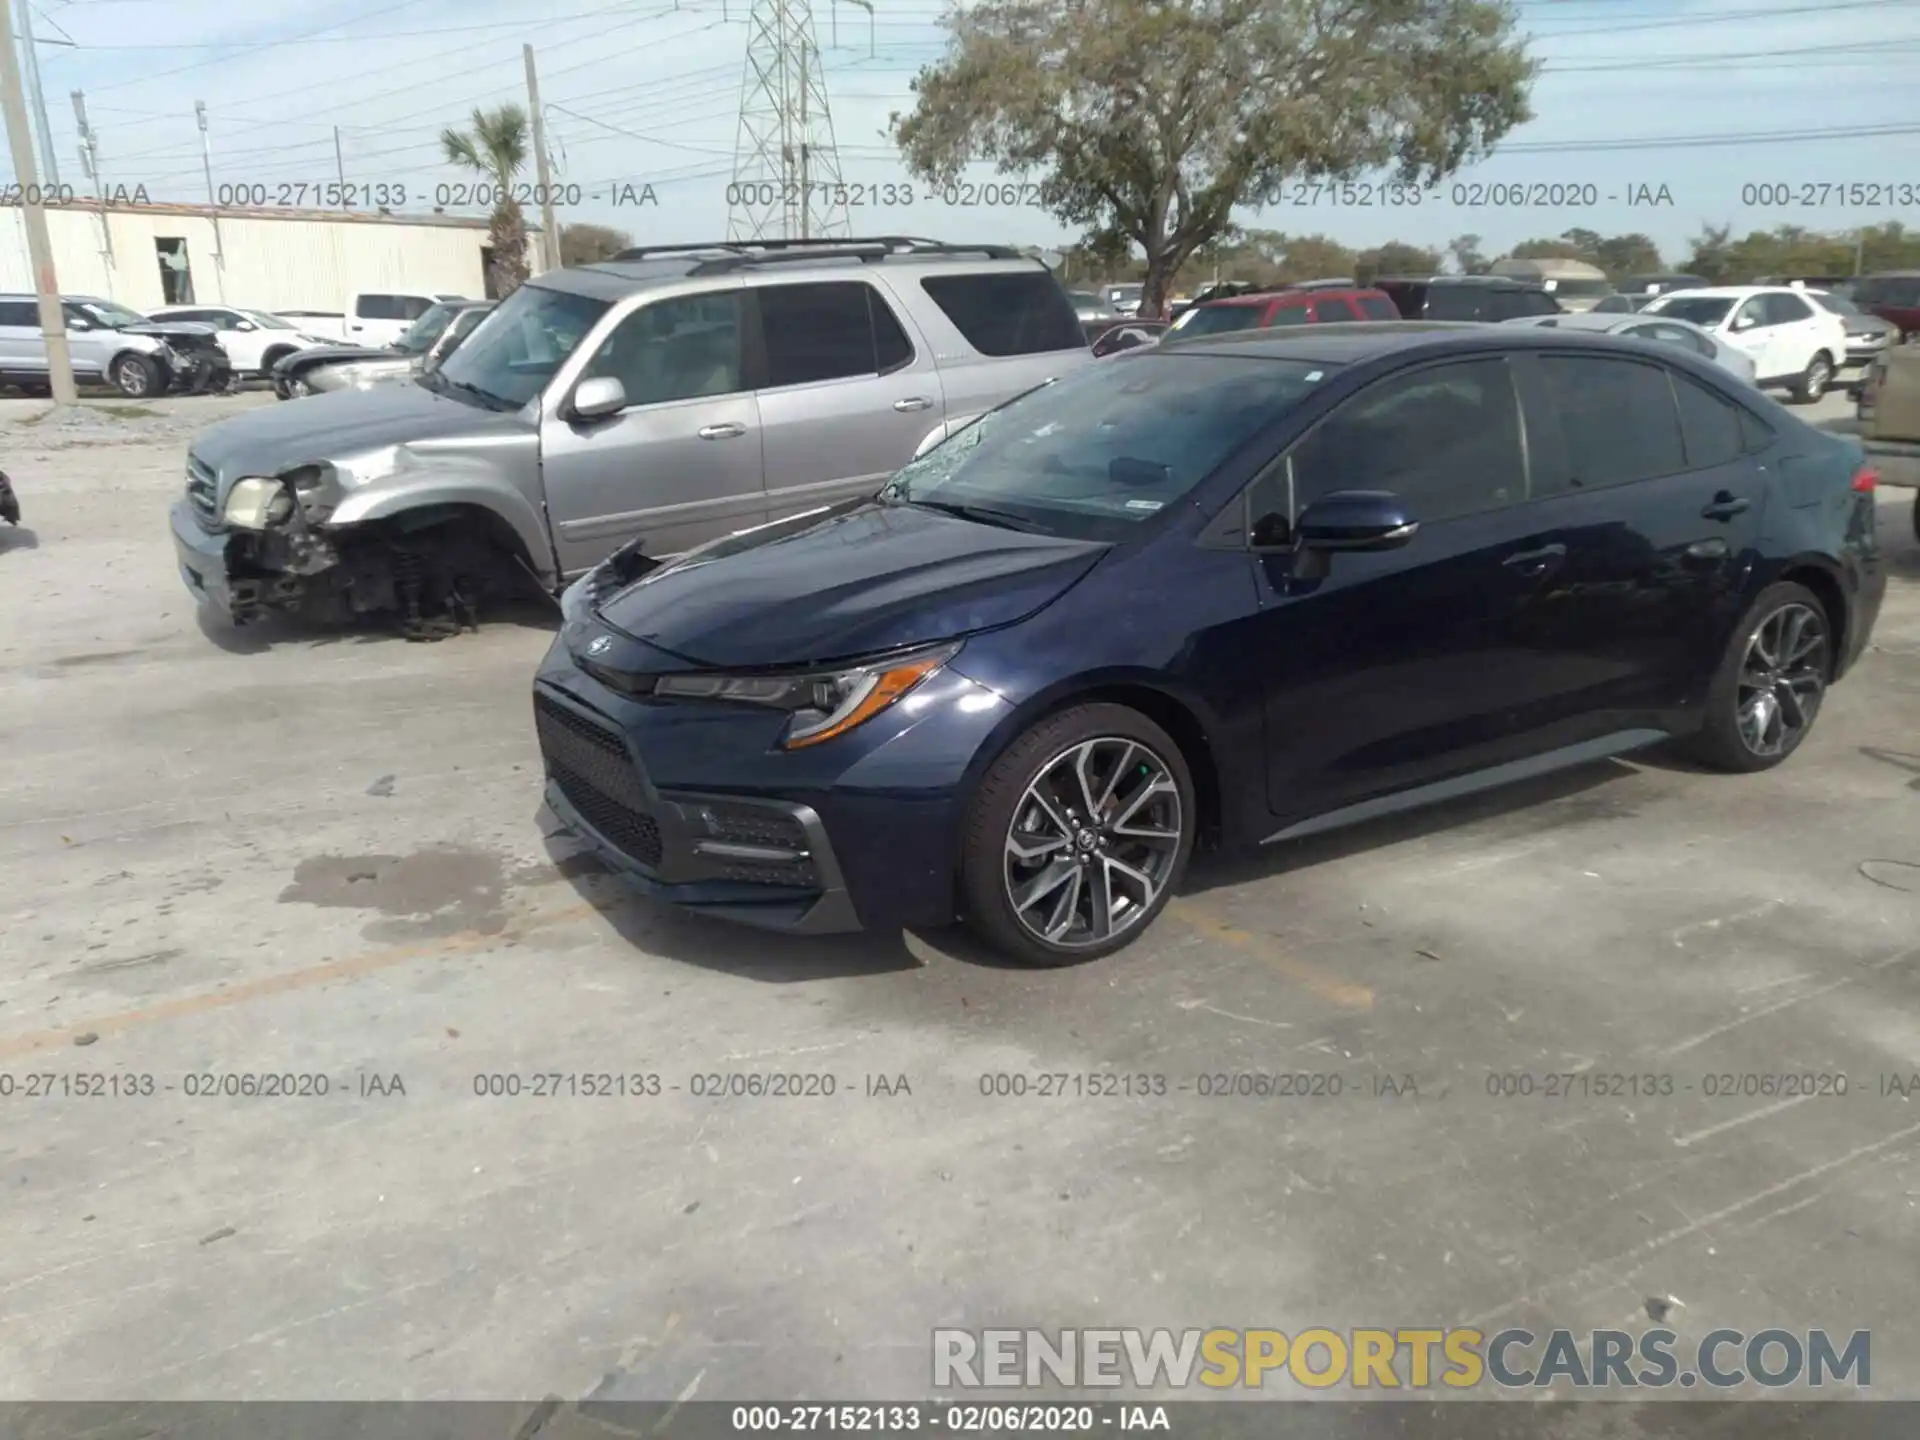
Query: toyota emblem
x,y
599,645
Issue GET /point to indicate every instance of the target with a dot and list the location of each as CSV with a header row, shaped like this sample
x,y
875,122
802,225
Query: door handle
x,y
914,402
1725,506
1534,560
732,429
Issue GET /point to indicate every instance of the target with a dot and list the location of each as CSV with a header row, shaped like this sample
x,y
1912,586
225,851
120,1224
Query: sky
x,y
1657,116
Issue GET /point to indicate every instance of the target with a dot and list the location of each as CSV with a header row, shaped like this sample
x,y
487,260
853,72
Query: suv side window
x,y
412,307
816,332
1372,307
1287,315
1332,310
20,312
1709,424
1618,418
1541,303
1782,309
1455,302
675,349
378,307
1445,438
1753,311
1008,312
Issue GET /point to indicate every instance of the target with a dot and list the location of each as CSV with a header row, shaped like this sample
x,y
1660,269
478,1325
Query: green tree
x,y
1624,255
496,147
1394,258
1467,255
1153,120
1561,249
587,244
1712,255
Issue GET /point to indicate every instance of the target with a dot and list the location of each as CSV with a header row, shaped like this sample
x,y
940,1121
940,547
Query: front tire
x,y
1814,380
1768,690
1077,836
136,377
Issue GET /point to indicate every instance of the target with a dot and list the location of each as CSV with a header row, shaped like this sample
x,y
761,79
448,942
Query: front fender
x,y
410,491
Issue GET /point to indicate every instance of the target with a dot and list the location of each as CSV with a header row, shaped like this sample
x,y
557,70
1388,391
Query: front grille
x,y
755,825
590,764
202,491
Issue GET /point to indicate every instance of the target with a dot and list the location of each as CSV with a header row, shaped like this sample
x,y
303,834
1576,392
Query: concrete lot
x,y
223,852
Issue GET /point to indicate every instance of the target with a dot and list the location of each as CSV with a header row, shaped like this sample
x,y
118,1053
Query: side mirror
x,y
1355,520
598,398
244,325
76,323
1743,322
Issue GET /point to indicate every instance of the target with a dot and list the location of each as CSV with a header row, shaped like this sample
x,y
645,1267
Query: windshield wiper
x,y
983,514
485,397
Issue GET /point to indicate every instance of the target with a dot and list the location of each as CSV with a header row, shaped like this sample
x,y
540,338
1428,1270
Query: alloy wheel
x,y
1783,677
132,378
1819,375
1092,842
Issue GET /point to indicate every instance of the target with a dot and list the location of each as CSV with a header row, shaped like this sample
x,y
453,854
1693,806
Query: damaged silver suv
x,y
669,396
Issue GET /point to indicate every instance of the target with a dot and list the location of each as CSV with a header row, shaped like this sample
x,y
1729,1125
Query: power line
x,y
251,49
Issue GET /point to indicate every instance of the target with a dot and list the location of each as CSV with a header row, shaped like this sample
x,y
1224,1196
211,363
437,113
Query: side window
x,y
1332,310
412,307
20,312
1008,313
1709,424
1507,305
817,332
1899,292
892,350
378,307
678,349
1753,313
1372,307
1785,309
1755,434
1541,303
1446,439
1618,418
1287,315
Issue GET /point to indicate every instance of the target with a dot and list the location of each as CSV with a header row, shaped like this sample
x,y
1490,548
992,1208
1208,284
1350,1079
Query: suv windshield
x,y
105,312
1218,319
266,321
1700,309
1097,452
512,354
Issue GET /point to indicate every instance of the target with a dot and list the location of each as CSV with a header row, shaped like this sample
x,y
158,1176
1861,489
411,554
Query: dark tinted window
x,y
1784,309
1710,424
676,349
1008,314
412,307
1446,439
1755,434
1538,302
382,307
891,348
1331,310
1374,308
1510,304
1455,302
1407,296
1703,310
1618,418
817,332
19,312
1286,315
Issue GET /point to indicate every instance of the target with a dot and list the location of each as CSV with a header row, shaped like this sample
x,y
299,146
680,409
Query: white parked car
x,y
1795,344
1668,329
253,339
373,317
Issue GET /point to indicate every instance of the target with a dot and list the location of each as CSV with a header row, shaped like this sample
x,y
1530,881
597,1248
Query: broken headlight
x,y
823,703
256,503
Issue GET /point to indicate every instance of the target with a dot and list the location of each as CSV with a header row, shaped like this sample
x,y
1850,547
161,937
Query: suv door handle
x,y
1535,560
1725,506
732,429
912,402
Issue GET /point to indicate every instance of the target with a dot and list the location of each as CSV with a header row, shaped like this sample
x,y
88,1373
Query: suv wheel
x,y
1077,836
1767,692
1815,379
136,376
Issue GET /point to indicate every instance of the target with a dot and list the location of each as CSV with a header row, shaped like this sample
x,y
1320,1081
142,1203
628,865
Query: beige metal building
x,y
146,255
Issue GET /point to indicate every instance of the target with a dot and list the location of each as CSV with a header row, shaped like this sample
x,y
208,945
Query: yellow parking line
x,y
1331,988
353,967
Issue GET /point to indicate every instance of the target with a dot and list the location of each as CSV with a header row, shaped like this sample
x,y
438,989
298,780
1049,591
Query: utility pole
x,y
90,167
49,166
549,230
1859,250
806,193
786,167
206,164
46,284
340,169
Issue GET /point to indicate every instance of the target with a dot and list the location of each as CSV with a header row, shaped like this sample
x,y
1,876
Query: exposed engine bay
x,y
194,360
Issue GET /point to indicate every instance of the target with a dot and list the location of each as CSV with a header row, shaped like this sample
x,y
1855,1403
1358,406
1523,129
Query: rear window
x,y
1219,319
1008,314
1455,302
1375,308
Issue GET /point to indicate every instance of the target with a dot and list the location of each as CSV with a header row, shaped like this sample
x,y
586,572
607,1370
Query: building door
x,y
176,274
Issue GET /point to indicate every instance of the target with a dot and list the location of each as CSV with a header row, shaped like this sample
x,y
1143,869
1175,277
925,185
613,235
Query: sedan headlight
x,y
824,703
256,503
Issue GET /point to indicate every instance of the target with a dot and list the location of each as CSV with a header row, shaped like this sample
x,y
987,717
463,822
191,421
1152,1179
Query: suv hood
x,y
276,438
855,579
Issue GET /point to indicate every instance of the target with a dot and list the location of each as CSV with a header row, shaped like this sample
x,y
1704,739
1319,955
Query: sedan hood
x,y
330,352
274,439
192,330
856,579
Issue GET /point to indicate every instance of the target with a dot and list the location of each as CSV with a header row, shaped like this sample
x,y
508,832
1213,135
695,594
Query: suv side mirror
x,y
598,398
1356,520
74,322
1743,322
243,325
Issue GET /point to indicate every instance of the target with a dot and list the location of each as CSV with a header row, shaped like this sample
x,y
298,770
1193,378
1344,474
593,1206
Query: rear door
x,y
681,464
845,393
23,348
995,333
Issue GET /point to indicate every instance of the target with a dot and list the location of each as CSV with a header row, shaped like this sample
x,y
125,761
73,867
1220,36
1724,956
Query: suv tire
x,y
1814,380
136,377
1751,722
1076,793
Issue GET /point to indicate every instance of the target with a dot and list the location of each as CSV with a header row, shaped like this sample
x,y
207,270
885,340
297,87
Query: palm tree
x,y
496,147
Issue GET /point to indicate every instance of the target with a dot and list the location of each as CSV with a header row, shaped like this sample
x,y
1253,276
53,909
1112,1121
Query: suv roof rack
x,y
1344,283
725,255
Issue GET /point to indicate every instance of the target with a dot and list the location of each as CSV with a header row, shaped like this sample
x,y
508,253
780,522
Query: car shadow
x,y
18,537
729,947
258,636
1899,759
1218,871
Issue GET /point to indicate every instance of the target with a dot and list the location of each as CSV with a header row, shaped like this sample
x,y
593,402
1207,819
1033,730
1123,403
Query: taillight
x,y
1865,479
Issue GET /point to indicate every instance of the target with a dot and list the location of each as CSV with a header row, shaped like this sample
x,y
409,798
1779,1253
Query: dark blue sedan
x,y
1224,591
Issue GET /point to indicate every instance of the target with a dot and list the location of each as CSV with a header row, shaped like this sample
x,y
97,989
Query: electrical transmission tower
x,y
786,169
